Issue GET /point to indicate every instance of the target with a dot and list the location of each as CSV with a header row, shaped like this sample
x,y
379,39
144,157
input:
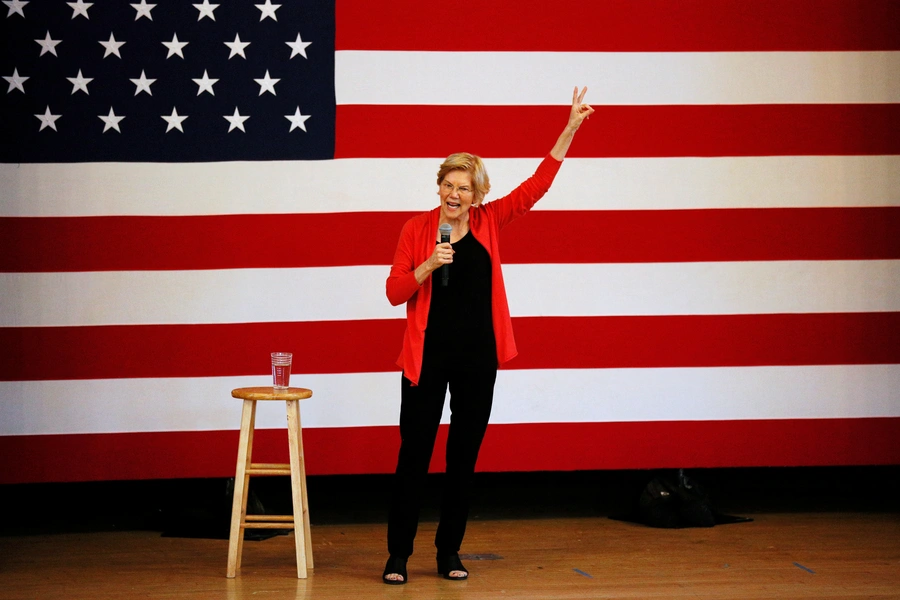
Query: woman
x,y
457,334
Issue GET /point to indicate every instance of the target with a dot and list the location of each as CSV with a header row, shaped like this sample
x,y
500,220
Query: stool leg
x,y
305,500
298,490
241,487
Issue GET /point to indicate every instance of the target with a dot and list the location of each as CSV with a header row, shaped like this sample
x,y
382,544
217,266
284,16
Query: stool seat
x,y
240,520
270,393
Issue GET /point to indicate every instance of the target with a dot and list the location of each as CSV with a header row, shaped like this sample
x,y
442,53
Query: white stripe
x,y
352,293
209,296
629,78
709,288
540,396
360,185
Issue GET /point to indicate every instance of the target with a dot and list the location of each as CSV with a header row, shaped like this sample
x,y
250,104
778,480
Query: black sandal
x,y
448,563
395,566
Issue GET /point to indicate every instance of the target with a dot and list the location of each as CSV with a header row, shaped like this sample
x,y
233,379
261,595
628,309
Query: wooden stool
x,y
240,520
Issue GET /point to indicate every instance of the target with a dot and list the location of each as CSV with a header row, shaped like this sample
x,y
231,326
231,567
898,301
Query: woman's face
x,y
457,194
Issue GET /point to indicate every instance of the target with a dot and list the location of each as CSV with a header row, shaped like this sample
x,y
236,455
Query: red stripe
x,y
704,235
57,244
147,243
111,352
707,341
389,131
620,25
197,350
515,447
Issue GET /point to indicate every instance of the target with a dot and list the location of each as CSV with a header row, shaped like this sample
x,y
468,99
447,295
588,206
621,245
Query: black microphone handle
x,y
445,270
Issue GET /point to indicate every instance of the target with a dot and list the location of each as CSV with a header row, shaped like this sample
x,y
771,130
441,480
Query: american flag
x,y
713,280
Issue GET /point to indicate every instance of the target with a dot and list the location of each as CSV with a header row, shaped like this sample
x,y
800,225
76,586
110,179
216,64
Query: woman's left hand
x,y
580,111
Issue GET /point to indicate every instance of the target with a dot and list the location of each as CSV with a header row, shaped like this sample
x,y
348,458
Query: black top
x,y
460,328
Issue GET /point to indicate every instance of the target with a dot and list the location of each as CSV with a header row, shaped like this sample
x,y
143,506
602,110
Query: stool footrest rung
x,y
269,469
284,518
268,525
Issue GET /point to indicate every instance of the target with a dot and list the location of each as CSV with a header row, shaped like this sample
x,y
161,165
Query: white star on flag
x,y
236,120
205,84
16,6
206,10
298,47
237,47
142,84
174,120
143,10
111,121
48,45
112,46
267,84
175,47
79,82
15,81
48,120
268,10
297,120
80,8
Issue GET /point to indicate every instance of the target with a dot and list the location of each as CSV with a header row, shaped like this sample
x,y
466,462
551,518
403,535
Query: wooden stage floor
x,y
839,550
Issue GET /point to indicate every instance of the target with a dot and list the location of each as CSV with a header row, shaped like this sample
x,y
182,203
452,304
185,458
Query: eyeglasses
x,y
463,190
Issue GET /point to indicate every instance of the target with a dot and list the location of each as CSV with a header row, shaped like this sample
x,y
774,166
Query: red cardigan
x,y
416,244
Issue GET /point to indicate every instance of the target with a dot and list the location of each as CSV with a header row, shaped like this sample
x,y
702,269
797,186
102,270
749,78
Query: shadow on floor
x,y
202,506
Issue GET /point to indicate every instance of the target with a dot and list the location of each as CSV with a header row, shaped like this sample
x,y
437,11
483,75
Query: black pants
x,y
471,396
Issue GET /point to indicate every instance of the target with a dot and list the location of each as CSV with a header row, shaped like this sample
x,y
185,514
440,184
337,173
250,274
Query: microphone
x,y
445,230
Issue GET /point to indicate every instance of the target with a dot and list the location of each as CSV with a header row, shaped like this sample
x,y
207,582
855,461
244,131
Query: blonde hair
x,y
471,164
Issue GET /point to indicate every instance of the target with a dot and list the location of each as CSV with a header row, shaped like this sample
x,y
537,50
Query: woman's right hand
x,y
442,255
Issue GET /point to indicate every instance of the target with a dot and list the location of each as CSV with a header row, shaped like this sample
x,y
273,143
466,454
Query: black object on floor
x,y
674,502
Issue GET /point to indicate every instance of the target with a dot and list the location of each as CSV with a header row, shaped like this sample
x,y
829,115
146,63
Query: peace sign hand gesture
x,y
580,111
